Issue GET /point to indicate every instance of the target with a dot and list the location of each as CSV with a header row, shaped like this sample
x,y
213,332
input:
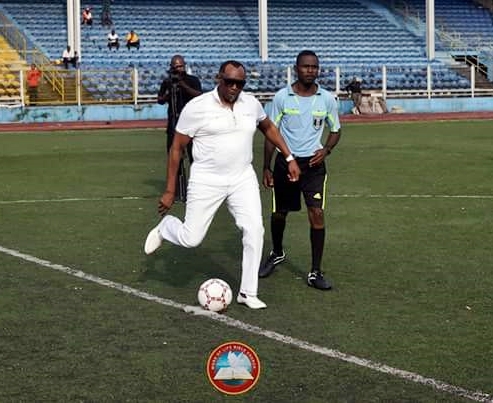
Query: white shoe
x,y
250,301
153,241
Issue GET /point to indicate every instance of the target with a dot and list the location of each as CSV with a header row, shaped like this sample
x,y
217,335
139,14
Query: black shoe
x,y
270,263
316,280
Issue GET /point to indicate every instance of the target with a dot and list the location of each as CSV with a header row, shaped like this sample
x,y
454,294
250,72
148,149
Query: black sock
x,y
317,238
277,225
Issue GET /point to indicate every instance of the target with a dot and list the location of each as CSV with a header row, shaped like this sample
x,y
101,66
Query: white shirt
x,y
222,138
67,54
112,38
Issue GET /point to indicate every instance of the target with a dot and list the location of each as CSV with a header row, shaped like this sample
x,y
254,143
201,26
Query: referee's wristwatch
x,y
290,158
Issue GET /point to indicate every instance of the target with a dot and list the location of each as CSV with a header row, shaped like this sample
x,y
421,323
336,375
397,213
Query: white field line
x,y
340,196
409,196
477,396
73,199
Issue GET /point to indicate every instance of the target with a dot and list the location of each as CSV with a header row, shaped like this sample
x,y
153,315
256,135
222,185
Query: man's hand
x,y
182,83
293,171
268,180
165,203
319,156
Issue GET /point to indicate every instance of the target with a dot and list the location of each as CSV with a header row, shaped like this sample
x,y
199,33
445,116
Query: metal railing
x,y
129,85
19,42
15,37
74,86
53,76
122,86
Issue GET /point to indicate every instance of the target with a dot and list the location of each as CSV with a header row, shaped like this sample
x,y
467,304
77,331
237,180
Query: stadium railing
x,y
131,86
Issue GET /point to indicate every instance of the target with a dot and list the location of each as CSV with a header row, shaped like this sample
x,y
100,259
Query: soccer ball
x,y
215,295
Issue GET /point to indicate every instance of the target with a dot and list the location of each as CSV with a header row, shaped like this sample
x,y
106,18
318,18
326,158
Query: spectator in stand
x,y
354,89
133,40
113,40
106,20
76,60
69,57
33,79
87,16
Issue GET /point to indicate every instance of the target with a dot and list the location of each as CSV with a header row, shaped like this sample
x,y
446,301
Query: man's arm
x,y
272,135
163,94
334,124
193,90
269,149
332,120
319,156
180,142
332,140
267,177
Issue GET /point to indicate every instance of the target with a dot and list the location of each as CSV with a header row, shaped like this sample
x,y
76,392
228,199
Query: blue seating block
x,y
359,41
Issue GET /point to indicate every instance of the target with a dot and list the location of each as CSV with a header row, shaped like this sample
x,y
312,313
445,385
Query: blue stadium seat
x,y
360,40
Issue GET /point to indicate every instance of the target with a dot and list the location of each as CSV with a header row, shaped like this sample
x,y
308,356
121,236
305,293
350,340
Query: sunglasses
x,y
230,82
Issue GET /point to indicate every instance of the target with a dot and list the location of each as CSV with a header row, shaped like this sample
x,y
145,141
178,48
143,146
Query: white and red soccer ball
x,y
215,295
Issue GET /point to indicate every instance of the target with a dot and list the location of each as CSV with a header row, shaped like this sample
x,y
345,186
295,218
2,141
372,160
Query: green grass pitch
x,y
410,229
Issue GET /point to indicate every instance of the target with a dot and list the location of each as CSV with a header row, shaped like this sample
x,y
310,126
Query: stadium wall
x,y
86,113
91,113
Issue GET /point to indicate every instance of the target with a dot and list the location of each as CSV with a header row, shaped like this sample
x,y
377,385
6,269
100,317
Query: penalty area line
x,y
301,344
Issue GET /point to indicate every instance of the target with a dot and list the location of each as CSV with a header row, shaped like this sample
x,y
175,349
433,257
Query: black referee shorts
x,y
312,183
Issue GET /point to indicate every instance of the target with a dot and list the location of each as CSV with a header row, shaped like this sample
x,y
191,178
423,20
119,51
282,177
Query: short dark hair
x,y
236,64
305,53
175,58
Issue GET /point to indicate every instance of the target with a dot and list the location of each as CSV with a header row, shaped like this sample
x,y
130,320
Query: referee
x,y
301,111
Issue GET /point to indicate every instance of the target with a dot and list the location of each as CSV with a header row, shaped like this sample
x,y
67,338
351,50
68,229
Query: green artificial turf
x,y
409,229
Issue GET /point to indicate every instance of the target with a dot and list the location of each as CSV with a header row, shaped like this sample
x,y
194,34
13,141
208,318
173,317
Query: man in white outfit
x,y
221,123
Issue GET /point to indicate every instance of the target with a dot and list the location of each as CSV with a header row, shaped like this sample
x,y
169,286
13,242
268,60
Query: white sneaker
x,y
153,241
250,301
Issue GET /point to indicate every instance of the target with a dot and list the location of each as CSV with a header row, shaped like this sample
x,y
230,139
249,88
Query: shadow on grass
x,y
219,256
178,267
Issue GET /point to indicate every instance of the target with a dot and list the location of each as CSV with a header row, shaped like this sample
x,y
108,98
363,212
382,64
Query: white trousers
x,y
243,201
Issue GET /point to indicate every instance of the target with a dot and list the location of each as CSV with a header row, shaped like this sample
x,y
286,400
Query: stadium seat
x,y
361,39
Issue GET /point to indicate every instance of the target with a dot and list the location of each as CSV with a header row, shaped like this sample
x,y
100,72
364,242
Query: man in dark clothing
x,y
354,88
106,20
176,90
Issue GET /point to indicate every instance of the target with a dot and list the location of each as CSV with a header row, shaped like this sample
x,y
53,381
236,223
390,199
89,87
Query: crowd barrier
x,y
78,86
